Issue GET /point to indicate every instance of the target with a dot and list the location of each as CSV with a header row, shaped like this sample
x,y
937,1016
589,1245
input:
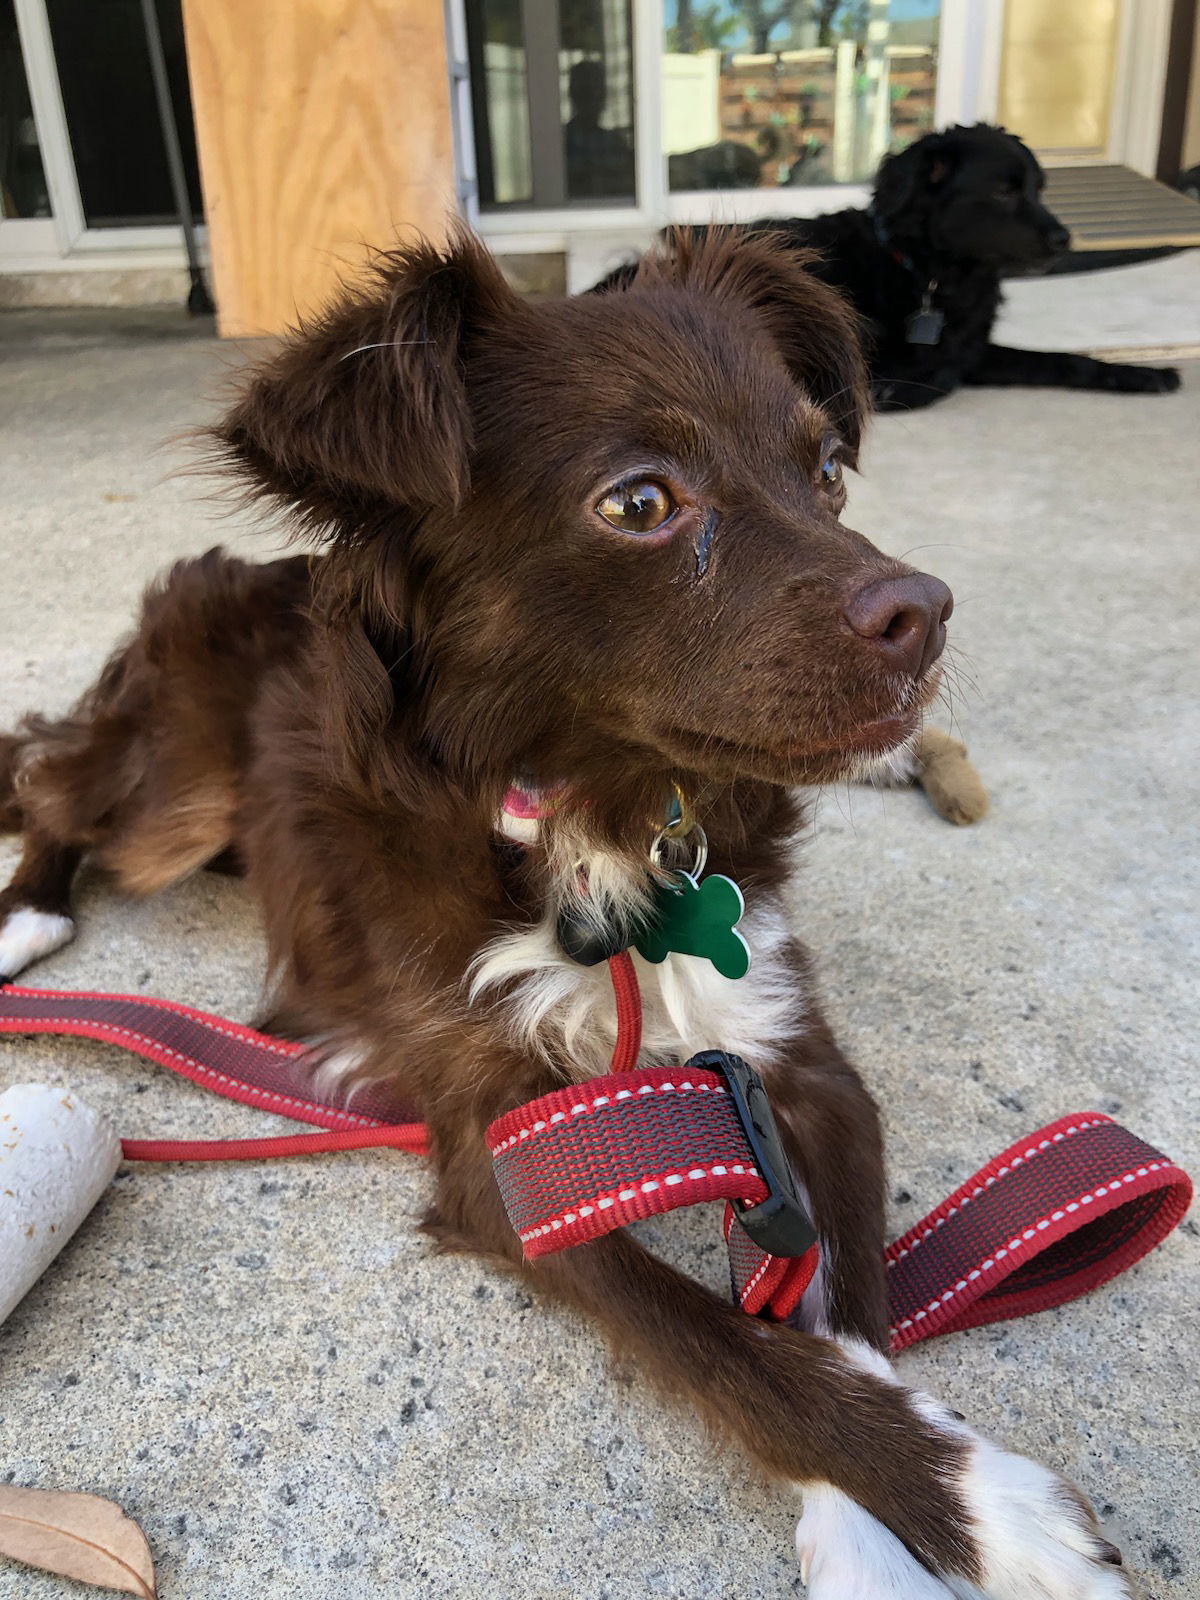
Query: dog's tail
x,y
11,820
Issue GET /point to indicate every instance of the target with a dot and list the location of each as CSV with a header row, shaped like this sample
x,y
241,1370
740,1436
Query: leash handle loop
x,y
1050,1218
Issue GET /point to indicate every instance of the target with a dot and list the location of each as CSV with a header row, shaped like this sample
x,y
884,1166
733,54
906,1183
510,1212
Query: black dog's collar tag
x,y
925,326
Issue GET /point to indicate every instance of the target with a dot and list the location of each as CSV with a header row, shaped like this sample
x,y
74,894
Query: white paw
x,y
1034,1532
1035,1536
28,935
845,1554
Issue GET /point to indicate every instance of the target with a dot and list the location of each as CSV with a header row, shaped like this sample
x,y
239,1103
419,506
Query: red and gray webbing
x,y
1058,1214
232,1060
1053,1216
577,1163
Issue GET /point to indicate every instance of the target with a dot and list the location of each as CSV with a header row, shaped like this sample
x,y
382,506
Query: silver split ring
x,y
666,849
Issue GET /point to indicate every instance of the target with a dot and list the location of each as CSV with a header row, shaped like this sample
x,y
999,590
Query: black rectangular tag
x,y
925,326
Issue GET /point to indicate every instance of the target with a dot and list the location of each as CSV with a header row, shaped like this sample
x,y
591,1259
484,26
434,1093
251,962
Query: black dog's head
x,y
970,194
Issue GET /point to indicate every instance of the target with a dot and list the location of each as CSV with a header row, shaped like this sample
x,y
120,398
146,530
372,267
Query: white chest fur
x,y
555,1008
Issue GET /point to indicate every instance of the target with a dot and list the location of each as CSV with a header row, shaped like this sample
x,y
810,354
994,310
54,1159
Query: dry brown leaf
x,y
76,1536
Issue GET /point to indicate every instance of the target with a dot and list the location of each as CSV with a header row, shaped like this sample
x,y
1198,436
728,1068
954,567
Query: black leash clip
x,y
780,1224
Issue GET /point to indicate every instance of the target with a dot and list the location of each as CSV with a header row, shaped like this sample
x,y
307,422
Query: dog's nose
x,y
905,618
1057,238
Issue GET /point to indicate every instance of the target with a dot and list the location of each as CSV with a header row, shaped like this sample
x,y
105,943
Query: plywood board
x,y
324,130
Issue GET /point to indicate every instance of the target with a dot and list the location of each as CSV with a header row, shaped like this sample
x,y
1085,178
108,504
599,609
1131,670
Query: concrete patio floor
x,y
265,1365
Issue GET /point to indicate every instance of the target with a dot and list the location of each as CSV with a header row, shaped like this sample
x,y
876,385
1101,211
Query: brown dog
x,y
593,543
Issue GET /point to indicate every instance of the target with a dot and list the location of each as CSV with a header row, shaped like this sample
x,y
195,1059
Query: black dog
x,y
951,216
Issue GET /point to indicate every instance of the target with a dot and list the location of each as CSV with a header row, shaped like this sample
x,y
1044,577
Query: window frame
x,y
64,238
969,40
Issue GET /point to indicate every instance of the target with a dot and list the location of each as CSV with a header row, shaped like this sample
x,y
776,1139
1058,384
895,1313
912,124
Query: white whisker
x,y
384,344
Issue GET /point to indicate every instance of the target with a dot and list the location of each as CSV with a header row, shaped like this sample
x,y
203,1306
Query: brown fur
x,y
347,724
10,813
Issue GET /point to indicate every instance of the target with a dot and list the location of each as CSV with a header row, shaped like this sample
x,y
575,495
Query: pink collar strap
x,y
523,809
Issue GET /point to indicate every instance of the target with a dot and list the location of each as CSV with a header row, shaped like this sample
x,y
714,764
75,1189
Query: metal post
x,y
199,300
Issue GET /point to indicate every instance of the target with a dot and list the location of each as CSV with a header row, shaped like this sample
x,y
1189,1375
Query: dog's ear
x,y
903,178
365,404
817,332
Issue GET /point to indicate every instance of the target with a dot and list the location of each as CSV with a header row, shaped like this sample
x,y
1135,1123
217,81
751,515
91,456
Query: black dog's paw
x,y
904,394
1127,379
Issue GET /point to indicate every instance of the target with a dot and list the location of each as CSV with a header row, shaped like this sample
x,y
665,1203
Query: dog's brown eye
x,y
640,507
831,473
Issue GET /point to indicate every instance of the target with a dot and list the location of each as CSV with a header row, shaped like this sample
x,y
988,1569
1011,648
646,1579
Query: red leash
x,y
1054,1216
231,1060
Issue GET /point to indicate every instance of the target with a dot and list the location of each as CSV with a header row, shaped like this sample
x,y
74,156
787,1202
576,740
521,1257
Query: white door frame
x,y
969,47
65,240
1135,121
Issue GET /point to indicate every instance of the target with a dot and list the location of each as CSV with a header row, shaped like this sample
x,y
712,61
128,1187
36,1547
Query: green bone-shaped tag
x,y
699,919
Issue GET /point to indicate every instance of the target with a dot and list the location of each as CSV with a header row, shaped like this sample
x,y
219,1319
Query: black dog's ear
x,y
902,178
365,403
817,332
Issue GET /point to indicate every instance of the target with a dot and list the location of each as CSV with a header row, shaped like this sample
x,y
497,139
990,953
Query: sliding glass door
x,y
83,167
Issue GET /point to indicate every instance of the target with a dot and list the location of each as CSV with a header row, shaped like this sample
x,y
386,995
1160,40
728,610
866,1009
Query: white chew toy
x,y
57,1157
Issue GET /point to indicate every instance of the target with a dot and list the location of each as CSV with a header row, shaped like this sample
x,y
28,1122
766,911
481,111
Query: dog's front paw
x,y
1021,1531
846,1554
1158,380
1035,1533
1130,379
